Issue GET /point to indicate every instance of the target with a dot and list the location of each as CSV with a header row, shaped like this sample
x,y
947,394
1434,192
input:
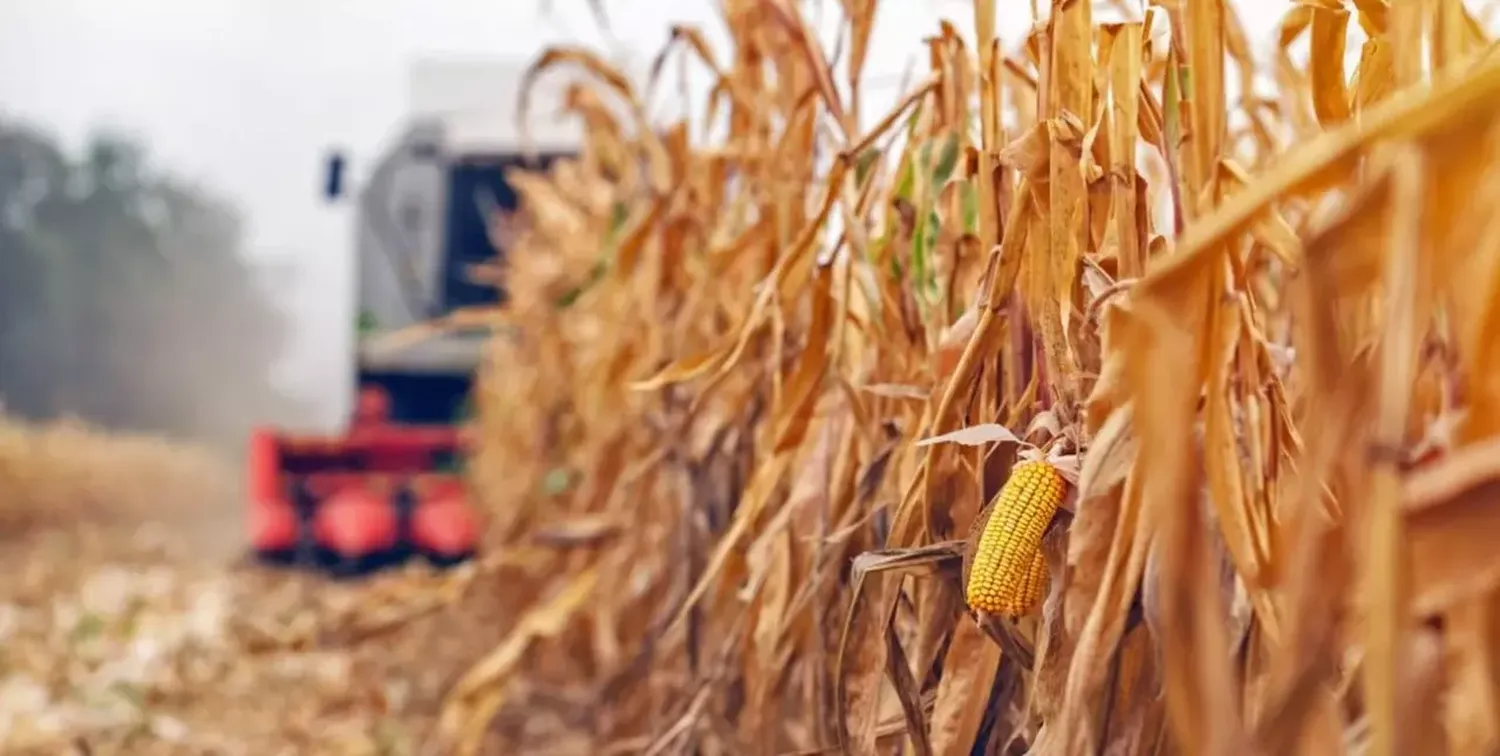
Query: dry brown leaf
x,y
1188,302
974,435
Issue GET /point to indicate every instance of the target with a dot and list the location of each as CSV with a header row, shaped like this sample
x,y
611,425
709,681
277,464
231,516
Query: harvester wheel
x,y
357,530
268,520
445,531
286,523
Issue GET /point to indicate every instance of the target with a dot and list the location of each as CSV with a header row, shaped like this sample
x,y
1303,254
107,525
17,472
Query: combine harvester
x,y
390,486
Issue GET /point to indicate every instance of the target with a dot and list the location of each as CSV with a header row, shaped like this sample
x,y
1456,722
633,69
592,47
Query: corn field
x,y
761,389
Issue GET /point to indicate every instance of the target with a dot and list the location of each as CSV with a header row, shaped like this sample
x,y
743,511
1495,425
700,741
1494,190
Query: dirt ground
x,y
131,622
154,640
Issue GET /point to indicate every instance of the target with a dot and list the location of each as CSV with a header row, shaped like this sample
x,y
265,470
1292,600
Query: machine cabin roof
x,y
475,103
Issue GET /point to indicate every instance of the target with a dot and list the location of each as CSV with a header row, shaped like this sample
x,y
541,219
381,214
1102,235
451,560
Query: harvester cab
x,y
390,486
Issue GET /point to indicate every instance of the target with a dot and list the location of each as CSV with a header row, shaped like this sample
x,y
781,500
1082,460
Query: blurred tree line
x,y
125,298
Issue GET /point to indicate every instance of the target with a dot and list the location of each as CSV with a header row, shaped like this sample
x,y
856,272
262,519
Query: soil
x,y
154,640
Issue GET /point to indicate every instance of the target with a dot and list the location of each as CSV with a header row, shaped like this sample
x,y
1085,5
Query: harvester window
x,y
477,190
468,232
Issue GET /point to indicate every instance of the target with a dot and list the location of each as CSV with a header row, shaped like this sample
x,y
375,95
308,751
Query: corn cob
x,y
1006,573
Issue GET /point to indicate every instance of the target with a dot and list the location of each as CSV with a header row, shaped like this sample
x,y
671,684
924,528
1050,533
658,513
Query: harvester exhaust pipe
x,y
333,176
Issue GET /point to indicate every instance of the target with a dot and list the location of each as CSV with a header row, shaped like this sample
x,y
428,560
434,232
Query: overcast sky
x,y
247,95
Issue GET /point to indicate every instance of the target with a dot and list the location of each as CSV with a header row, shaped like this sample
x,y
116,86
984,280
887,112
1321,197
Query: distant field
x,y
66,474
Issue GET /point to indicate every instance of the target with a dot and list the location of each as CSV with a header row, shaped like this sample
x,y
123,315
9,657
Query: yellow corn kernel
x,y
1007,573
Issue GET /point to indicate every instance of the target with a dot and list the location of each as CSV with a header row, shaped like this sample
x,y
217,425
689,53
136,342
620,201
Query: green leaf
x,y
930,276
919,247
864,164
1172,106
618,218
89,626
128,693
947,161
557,482
968,196
906,185
570,297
